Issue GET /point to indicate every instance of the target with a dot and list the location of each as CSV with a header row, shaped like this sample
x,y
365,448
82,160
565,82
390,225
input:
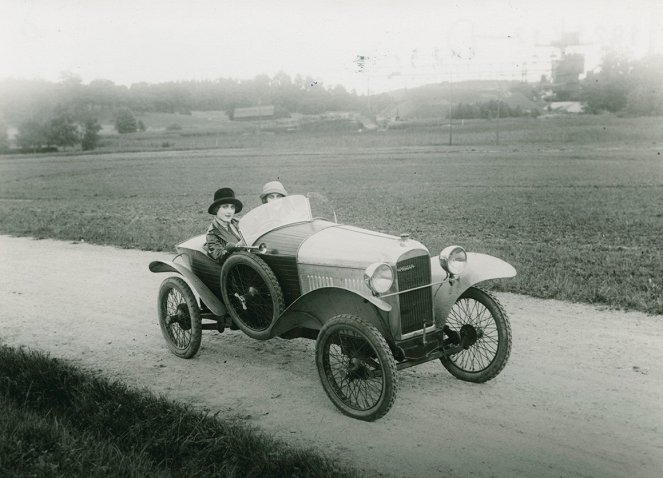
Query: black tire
x,y
356,367
478,318
179,317
252,294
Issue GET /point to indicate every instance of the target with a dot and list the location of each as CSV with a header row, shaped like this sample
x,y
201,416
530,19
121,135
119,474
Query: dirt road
x,y
582,394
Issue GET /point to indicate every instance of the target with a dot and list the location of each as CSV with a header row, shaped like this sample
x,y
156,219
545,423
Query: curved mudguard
x,y
318,306
480,267
211,301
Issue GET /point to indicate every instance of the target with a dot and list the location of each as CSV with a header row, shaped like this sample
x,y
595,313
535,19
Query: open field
x,y
205,130
575,204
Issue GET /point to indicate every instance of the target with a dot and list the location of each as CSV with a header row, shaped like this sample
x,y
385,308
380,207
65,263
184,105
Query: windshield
x,y
288,210
274,214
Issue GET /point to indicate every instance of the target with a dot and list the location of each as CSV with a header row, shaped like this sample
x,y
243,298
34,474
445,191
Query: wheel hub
x,y
469,335
357,370
181,317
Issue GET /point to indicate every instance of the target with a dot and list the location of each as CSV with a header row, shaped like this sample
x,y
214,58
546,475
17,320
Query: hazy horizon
x,y
402,44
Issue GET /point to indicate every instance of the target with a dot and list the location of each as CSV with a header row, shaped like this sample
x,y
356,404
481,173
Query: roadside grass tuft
x,y
40,445
56,420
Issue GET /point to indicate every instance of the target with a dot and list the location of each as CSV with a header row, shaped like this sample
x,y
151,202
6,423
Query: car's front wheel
x,y
356,367
480,324
179,317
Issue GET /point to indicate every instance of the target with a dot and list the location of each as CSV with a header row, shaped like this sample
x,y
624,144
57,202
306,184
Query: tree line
x,y
22,99
621,85
68,112
490,109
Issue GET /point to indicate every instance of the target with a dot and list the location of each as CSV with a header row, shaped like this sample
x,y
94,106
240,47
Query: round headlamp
x,y
379,277
453,259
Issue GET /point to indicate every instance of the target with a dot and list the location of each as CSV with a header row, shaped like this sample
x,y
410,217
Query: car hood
x,y
348,246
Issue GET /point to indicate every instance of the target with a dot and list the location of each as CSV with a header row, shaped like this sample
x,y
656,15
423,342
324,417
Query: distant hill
x,y
435,100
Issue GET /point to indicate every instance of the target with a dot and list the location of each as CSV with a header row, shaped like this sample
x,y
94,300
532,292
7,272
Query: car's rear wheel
x,y
356,367
179,317
480,324
251,293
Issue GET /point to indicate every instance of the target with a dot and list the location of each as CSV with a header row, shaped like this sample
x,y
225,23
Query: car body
x,y
377,301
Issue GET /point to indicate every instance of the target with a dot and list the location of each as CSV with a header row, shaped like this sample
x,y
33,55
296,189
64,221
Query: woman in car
x,y
271,191
223,233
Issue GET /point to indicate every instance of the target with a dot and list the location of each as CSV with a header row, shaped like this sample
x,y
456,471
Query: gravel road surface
x,y
582,394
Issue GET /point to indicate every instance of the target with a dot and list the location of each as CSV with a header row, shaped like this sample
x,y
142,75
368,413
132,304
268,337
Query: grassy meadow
x,y
574,203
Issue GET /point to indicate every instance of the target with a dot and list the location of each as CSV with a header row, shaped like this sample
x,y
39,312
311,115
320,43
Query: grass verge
x,y
56,420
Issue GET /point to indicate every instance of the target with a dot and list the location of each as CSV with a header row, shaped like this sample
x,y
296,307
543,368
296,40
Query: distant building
x,y
287,124
346,115
565,107
366,123
253,113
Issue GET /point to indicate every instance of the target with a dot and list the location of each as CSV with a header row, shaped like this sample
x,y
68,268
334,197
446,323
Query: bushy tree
x,y
625,85
607,89
486,110
91,128
32,135
4,137
104,95
125,122
645,95
61,131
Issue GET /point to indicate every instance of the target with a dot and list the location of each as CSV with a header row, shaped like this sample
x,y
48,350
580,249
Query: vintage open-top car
x,y
374,303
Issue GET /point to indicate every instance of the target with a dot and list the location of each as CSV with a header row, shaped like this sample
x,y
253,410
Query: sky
x,y
365,45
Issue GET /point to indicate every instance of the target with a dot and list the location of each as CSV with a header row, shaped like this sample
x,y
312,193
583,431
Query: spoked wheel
x,y
251,293
179,317
479,323
356,367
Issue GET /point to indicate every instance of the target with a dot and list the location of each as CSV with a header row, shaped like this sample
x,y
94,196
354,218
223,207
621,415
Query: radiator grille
x,y
417,305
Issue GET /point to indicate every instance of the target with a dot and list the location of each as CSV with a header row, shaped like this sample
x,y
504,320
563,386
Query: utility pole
x,y
451,106
497,130
368,93
362,64
497,126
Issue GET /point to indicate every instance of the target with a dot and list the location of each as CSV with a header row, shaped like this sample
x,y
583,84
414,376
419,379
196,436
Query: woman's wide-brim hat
x,y
273,187
225,196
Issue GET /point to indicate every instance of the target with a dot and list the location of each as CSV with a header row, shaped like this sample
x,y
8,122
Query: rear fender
x,y
318,306
211,301
479,268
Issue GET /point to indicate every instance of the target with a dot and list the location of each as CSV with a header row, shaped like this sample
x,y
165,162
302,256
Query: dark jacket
x,y
218,239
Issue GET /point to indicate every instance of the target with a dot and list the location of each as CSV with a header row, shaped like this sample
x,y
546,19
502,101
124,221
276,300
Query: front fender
x,y
312,310
479,268
211,301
